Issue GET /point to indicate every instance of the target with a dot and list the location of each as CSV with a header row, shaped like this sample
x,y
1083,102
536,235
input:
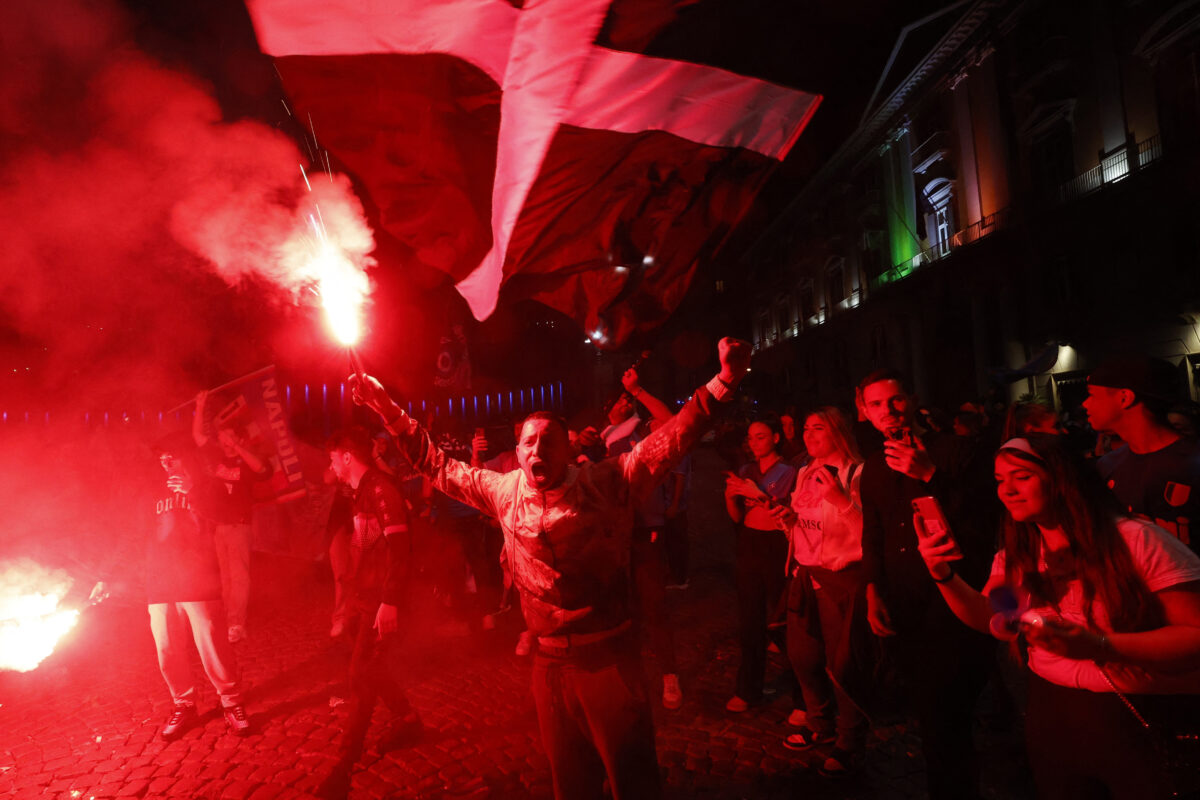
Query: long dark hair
x,y
1088,514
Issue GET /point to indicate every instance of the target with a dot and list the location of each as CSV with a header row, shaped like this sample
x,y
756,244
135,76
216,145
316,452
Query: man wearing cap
x,y
1156,473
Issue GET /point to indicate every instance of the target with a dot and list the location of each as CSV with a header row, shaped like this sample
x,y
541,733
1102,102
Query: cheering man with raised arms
x,y
568,529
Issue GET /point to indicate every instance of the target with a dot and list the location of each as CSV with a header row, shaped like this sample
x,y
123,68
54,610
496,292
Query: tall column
x,y
968,169
900,198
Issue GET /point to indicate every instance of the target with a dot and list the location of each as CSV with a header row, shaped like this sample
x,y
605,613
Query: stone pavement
x,y
85,724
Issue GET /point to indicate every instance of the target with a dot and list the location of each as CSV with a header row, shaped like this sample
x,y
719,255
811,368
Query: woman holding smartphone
x,y
761,485
1111,617
824,527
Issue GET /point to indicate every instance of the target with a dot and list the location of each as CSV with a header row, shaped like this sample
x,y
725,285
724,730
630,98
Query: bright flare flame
x,y
343,289
31,623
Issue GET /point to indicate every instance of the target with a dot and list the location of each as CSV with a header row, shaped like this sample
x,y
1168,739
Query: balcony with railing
x,y
1114,167
944,249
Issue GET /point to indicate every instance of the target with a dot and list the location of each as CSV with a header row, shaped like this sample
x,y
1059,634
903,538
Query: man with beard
x,y
943,665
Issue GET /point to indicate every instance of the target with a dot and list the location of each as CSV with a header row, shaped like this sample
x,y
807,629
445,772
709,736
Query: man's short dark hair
x,y
548,415
354,440
885,374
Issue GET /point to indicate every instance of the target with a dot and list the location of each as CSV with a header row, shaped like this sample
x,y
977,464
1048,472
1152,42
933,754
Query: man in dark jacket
x,y
943,663
380,562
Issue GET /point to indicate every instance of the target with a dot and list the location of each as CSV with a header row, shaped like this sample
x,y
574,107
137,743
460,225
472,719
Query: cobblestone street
x,y
85,724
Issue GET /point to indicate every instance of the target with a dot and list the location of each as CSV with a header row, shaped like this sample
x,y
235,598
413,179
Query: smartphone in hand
x,y
931,514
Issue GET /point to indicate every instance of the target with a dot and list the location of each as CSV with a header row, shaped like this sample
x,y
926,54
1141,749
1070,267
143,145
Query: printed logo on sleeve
x,y
1176,494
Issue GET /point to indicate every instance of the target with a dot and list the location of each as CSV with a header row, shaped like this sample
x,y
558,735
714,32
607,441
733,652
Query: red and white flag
x,y
524,149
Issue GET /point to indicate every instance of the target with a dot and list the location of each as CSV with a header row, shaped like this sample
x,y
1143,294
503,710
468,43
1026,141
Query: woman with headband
x,y
1109,608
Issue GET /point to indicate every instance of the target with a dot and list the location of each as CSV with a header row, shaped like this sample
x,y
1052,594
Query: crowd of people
x,y
883,549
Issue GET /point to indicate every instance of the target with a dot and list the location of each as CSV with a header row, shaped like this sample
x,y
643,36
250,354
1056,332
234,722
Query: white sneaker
x,y
672,695
798,718
236,633
236,720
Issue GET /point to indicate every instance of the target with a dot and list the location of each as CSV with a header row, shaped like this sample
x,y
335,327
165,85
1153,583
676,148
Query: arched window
x,y
939,222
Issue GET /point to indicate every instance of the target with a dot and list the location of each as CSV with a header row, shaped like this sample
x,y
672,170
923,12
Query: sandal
x,y
806,738
841,763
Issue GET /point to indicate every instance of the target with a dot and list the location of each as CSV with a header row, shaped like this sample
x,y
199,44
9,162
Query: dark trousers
x,y
760,578
471,541
375,669
945,667
648,562
1086,745
821,623
595,719
678,547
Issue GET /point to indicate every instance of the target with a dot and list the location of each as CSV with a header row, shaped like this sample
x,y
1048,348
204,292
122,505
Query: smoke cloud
x,y
150,247
144,230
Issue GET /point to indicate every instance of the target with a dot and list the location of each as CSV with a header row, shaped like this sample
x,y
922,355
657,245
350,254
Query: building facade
x,y
1020,204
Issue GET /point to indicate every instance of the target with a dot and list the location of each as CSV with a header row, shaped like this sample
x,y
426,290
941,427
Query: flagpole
x,y
233,382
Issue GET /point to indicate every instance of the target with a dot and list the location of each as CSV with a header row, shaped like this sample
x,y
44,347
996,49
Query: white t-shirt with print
x,y
1162,561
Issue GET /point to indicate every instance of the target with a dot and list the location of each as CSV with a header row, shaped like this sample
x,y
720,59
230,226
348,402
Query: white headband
x,y
1022,445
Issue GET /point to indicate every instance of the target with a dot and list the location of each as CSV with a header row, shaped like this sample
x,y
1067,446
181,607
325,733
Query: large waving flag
x,y
523,148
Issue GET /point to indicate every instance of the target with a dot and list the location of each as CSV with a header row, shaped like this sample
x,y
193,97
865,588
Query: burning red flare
x,y
330,256
31,621
343,288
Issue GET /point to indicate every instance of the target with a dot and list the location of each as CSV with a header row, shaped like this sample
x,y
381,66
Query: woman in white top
x,y
1109,607
824,526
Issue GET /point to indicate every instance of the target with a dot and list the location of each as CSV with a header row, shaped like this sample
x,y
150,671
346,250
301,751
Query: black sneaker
x,y
182,718
401,733
841,762
237,721
336,785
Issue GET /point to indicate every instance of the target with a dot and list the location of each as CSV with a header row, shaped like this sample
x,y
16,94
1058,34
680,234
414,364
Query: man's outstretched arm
x,y
470,485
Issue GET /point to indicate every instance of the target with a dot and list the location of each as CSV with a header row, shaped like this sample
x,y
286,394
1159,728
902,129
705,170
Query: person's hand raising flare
x,y
368,391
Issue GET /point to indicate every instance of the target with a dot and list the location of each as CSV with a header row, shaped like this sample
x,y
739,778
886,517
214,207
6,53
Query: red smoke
x,y
125,194
149,247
